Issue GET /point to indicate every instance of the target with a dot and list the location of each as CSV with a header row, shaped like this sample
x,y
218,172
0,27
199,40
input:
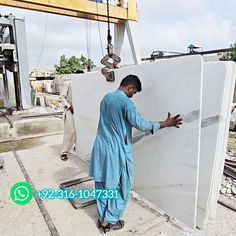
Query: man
x,y
111,162
69,126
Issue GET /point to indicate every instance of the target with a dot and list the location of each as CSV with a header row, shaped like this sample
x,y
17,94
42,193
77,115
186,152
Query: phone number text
x,y
82,194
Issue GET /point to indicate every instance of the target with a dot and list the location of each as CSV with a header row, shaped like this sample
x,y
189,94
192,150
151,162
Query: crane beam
x,y
79,8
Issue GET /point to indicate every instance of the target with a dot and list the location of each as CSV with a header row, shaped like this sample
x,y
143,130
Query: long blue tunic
x,y
112,149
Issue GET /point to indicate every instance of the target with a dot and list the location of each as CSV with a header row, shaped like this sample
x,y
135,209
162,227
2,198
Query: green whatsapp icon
x,y
21,193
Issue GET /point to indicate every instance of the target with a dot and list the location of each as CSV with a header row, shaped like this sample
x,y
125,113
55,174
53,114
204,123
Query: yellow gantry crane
x,y
85,9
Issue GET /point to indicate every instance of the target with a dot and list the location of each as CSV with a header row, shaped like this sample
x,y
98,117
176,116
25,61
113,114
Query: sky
x,y
163,25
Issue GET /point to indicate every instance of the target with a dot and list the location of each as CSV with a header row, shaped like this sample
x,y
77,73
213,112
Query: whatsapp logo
x,y
21,193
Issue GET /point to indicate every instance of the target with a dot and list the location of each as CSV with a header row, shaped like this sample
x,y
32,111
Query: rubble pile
x,y
46,93
41,86
54,101
228,187
228,184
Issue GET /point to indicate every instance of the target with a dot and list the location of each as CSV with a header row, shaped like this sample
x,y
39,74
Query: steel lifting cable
x,y
44,37
109,38
44,40
87,24
99,31
88,38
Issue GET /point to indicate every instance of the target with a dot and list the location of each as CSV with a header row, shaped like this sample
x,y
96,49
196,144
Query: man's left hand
x,y
175,121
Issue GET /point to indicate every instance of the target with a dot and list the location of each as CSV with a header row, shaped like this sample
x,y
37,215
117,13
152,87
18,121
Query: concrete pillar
x,y
119,33
131,28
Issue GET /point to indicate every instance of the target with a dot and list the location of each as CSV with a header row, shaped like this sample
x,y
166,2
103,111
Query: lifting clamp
x,y
114,59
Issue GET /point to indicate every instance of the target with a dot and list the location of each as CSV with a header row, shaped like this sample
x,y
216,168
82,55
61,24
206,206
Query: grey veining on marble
x,y
166,163
191,116
210,121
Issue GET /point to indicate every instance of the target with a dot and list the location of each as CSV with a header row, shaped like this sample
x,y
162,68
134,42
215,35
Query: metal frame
x,y
13,52
9,61
73,183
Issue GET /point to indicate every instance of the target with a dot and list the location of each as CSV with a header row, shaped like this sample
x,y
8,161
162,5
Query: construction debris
x,y
228,184
228,187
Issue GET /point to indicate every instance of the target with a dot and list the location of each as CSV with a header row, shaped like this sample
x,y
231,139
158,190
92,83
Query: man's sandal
x,y
108,227
118,225
64,157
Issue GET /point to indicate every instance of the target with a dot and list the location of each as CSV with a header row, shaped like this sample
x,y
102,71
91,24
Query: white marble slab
x,y
222,138
214,85
217,97
167,162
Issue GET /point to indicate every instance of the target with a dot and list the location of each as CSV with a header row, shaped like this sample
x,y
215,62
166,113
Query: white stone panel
x,y
167,163
218,86
214,77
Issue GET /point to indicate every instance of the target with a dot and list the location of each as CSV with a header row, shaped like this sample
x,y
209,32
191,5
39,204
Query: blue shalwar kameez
x,y
111,163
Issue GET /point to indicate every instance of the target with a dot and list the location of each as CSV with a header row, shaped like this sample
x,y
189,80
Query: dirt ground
x,y
225,223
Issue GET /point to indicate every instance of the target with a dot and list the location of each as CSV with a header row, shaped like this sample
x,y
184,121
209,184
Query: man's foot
x,y
108,226
64,156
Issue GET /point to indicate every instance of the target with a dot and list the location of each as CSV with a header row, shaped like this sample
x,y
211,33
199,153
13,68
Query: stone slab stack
x,y
179,170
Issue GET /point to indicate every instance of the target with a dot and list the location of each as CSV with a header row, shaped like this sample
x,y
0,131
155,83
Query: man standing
x,y
111,162
69,126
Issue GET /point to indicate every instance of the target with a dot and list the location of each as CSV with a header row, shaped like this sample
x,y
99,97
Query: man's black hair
x,y
132,80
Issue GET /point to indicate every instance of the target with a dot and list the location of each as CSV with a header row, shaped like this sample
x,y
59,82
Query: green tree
x,y
86,62
73,64
230,55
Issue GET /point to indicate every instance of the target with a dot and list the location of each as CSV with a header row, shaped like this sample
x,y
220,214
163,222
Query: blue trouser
x,y
111,210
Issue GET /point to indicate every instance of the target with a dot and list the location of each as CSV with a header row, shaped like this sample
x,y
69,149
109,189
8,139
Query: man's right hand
x,y
175,121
